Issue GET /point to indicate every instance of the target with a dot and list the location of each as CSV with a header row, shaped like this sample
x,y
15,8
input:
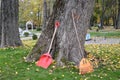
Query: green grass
x,y
111,34
13,66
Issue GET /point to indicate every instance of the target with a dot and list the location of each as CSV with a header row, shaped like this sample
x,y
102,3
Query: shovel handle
x,y
57,24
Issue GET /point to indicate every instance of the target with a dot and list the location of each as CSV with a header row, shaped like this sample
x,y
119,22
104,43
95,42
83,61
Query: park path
x,y
95,40
30,38
101,40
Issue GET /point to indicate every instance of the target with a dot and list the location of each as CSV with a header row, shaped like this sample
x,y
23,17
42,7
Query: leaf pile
x,y
105,55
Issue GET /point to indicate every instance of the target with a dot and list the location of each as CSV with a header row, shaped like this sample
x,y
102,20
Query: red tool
x,y
46,59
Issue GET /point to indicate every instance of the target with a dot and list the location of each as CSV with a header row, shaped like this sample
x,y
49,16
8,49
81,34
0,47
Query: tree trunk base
x,y
65,47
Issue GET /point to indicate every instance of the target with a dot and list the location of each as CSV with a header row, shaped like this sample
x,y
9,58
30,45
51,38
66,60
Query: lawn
x,y
108,32
111,34
105,58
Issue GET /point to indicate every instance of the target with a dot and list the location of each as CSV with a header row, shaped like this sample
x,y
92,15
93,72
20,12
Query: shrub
x,y
38,29
26,34
34,37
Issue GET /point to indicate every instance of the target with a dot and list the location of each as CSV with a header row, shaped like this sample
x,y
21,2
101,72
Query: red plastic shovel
x,y
46,59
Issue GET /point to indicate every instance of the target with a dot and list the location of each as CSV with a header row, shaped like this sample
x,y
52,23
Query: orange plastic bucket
x,y
44,61
85,66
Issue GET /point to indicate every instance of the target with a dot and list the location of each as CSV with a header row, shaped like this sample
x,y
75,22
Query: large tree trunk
x,y
65,46
9,22
0,23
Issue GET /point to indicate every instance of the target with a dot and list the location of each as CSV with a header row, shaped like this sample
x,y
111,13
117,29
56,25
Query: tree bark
x,y
0,23
9,24
65,46
44,15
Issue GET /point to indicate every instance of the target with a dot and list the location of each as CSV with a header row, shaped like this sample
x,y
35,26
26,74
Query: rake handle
x,y
76,32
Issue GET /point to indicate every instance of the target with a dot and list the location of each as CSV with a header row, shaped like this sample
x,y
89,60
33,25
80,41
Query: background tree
x,y
30,10
9,24
118,17
65,47
102,15
34,10
105,13
112,13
